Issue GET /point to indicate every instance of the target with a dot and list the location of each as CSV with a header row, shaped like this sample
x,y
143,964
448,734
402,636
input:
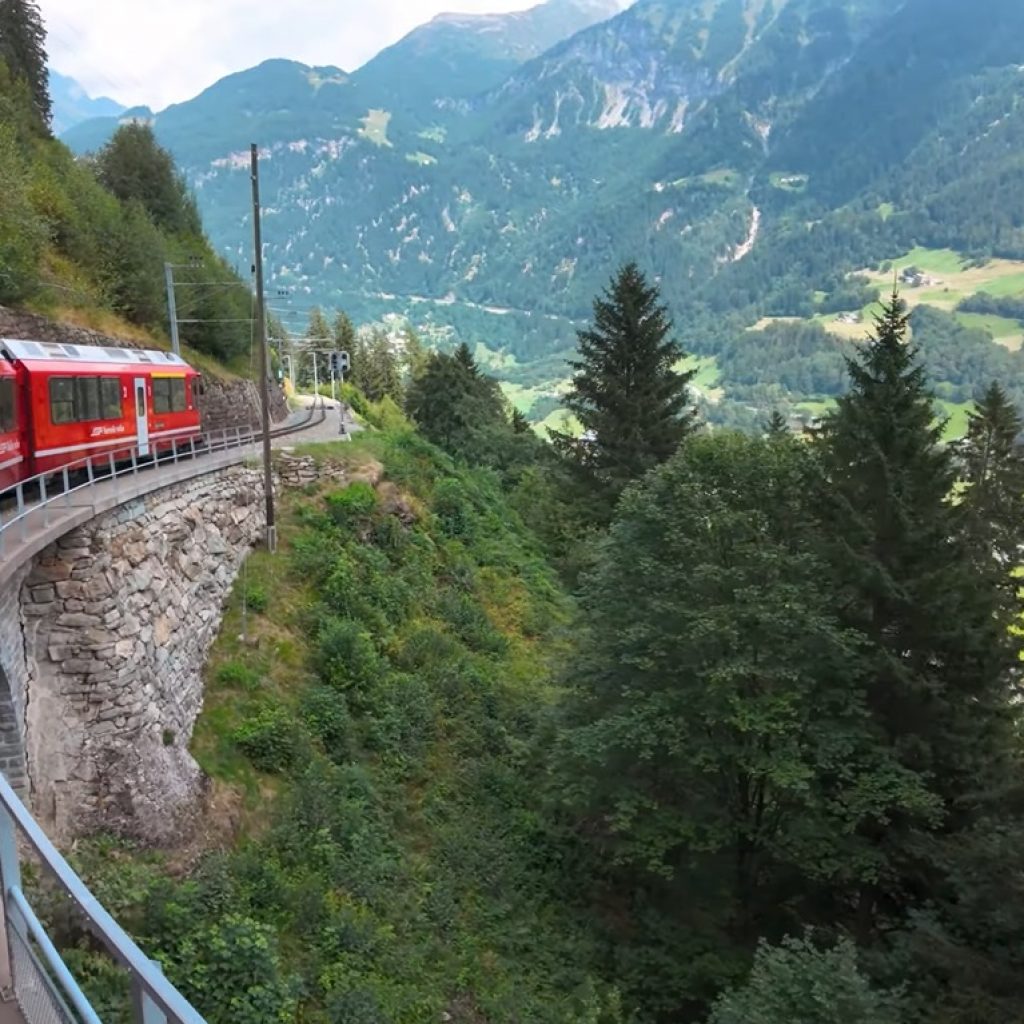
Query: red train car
x,y
12,452
77,402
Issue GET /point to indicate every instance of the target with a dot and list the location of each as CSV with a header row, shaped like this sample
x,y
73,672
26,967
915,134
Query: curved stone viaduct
x,y
103,636
107,611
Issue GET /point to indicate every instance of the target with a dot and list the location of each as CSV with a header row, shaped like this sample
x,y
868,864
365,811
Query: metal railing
x,y
32,971
31,501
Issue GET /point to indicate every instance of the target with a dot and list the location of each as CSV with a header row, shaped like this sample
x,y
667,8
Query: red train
x,y
62,404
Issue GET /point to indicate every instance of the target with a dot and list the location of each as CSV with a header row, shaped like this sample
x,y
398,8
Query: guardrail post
x,y
113,473
10,875
67,487
44,501
20,491
145,1011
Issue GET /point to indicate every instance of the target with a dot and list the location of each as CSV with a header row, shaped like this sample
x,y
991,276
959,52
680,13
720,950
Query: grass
x,y
723,176
242,673
706,375
817,407
493,359
1009,333
561,420
375,127
523,398
956,414
997,277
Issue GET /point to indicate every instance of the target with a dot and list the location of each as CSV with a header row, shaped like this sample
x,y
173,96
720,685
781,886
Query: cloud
x,y
158,52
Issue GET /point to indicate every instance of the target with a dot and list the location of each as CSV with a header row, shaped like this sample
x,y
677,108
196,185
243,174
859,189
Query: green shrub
x,y
231,970
271,739
325,713
798,983
454,510
470,623
346,657
352,508
255,597
239,675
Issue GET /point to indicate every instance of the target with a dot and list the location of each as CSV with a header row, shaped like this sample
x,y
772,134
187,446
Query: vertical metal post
x,y
145,1010
10,875
172,309
316,382
334,394
261,337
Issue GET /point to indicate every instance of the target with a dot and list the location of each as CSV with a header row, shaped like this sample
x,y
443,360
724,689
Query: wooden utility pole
x,y
261,335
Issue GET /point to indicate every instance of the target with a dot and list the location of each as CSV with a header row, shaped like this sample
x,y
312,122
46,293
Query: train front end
x,y
12,434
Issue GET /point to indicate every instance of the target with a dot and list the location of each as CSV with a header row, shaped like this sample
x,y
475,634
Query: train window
x,y
169,394
62,399
110,397
161,395
8,417
87,398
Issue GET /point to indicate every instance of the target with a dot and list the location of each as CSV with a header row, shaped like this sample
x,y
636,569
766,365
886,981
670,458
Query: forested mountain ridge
x,y
749,154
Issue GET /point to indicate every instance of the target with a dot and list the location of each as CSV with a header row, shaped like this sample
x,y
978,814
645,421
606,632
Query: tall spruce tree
x,y
626,392
992,461
344,334
939,653
23,50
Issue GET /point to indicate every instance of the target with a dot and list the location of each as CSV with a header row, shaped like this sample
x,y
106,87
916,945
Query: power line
x,y
243,320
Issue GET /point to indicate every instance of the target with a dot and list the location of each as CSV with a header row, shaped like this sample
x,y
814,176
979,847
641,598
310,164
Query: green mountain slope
x,y
748,153
459,56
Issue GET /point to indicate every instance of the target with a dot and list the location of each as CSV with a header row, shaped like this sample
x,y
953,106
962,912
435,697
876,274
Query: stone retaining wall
x,y
120,615
14,676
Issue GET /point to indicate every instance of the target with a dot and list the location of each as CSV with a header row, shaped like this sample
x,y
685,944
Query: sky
x,y
158,52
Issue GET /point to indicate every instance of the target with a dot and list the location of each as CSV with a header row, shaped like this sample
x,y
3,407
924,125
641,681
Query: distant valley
x,y
486,175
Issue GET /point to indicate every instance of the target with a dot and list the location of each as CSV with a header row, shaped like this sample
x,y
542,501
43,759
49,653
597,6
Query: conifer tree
x,y
133,165
344,334
777,426
383,376
626,392
939,656
414,354
23,50
992,460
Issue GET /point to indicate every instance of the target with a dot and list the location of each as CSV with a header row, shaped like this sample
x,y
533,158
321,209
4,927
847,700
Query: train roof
x,y
49,351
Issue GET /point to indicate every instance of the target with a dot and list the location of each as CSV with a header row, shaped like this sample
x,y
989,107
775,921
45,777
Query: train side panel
x,y
78,412
85,404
